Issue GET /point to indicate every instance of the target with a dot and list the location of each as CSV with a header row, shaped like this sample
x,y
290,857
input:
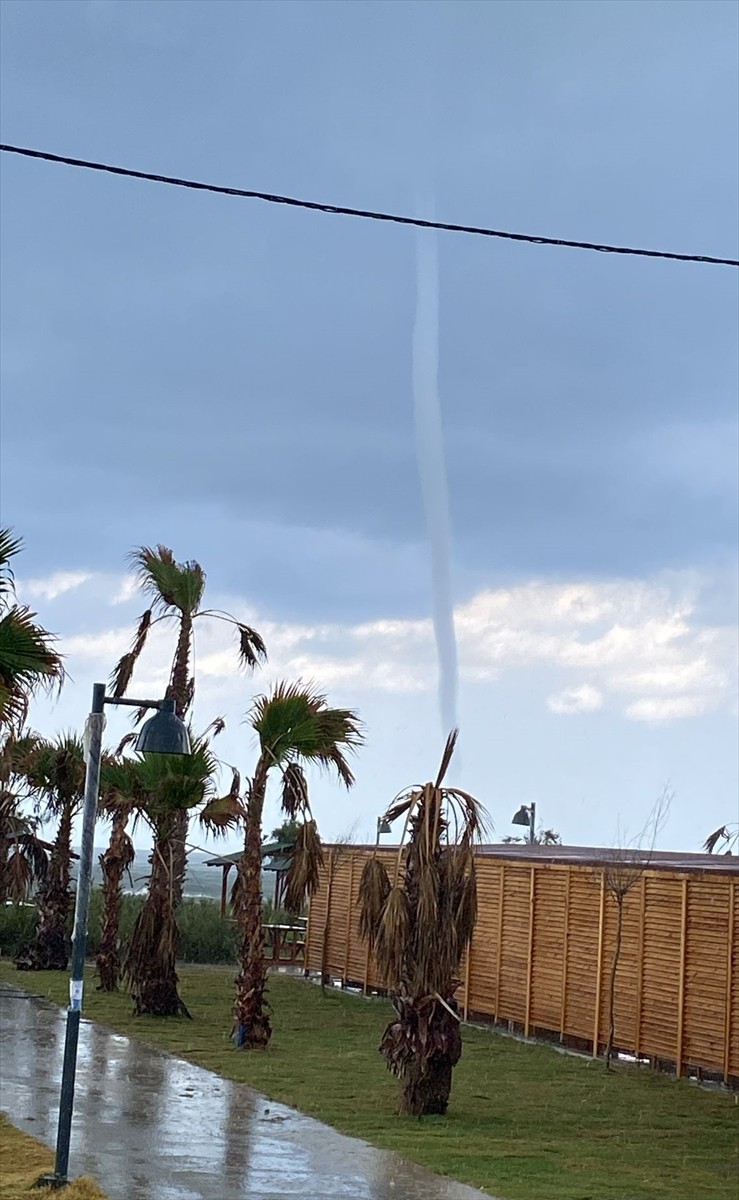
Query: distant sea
x,y
201,882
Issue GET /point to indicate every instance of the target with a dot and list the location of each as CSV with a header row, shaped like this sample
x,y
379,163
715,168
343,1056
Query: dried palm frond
x,y
125,741
18,876
222,813
121,676
446,757
294,790
252,650
217,726
306,859
393,936
374,889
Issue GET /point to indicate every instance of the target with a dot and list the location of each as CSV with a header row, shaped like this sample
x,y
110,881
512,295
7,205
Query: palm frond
x,y
446,757
393,935
18,876
252,650
178,782
722,834
224,812
121,676
374,889
295,722
306,859
217,726
28,663
170,584
10,545
294,790
220,815
125,741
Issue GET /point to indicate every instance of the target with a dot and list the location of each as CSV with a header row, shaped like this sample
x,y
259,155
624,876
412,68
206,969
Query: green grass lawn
x,y
525,1123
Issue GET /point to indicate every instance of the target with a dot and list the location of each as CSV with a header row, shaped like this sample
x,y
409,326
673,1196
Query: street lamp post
x,y
164,733
383,826
526,815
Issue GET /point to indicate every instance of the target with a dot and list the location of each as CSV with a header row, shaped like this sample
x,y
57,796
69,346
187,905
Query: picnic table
x,y
285,944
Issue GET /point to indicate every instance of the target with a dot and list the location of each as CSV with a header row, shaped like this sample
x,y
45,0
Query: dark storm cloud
x,y
181,350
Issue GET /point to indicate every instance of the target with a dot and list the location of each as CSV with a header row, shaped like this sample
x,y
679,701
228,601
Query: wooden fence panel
x,y
627,971
543,946
582,953
705,985
340,909
514,947
661,984
548,947
485,954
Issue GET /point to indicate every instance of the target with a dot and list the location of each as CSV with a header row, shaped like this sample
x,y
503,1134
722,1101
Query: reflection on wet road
x,y
151,1127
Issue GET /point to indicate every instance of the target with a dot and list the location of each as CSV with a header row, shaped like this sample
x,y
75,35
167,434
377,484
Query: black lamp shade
x,y
164,733
384,826
522,817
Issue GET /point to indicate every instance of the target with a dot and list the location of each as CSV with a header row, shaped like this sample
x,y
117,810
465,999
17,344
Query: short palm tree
x,y
114,862
55,776
28,660
176,591
158,789
23,855
295,726
419,924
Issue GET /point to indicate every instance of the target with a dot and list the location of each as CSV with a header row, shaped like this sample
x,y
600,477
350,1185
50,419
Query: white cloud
x,y
575,700
667,708
641,645
54,585
128,590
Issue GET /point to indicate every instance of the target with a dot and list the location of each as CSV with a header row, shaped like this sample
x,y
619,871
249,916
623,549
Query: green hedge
x,y
205,937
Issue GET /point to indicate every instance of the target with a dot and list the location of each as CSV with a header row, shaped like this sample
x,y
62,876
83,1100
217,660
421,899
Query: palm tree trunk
x,y
251,1018
114,862
49,949
150,964
180,691
422,1046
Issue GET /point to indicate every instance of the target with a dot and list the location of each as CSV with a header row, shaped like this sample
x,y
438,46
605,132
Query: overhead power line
x,y
367,214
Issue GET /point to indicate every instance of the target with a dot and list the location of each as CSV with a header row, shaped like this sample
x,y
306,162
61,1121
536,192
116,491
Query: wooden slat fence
x,y
542,949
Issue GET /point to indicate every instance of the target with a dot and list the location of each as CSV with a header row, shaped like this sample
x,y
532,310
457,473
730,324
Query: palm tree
x,y
159,788
55,775
28,660
295,726
23,856
176,591
419,925
114,863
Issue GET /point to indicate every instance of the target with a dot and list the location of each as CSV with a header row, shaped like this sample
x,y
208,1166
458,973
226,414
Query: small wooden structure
x,y
542,949
275,857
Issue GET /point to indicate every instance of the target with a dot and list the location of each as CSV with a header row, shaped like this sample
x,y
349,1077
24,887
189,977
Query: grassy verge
x,y
525,1123
23,1160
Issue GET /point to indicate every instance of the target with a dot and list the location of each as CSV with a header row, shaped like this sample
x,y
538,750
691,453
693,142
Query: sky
x,y
234,379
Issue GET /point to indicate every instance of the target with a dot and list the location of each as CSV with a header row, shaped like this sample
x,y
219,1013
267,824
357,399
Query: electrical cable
x,y
367,214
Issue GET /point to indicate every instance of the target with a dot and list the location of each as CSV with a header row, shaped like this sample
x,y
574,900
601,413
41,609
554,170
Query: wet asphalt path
x,y
148,1126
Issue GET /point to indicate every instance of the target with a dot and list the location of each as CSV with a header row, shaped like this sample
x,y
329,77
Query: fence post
x,y
565,939
681,984
640,964
530,962
468,960
324,945
729,963
599,971
500,941
348,922
306,960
